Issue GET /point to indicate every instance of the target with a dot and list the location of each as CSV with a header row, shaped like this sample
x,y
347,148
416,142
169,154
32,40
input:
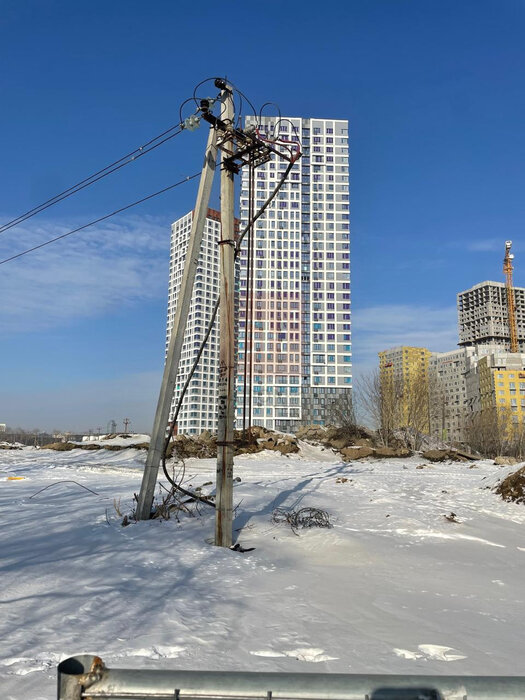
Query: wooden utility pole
x,y
226,416
158,436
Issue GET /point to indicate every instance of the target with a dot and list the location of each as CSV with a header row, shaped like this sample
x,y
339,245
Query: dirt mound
x,y
503,461
311,433
89,446
358,452
141,446
184,447
443,456
284,444
512,488
398,452
60,446
251,441
361,452
336,438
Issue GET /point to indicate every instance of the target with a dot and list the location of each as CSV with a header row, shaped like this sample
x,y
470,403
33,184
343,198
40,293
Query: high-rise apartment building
x,y
199,410
483,316
302,350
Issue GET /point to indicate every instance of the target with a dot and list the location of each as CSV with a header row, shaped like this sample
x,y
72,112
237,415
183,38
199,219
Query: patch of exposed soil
x,y
512,488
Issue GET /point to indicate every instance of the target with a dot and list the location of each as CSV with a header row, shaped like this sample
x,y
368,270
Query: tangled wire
x,y
304,517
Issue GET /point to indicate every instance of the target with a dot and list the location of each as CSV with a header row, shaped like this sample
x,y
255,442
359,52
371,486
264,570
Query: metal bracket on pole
x,y
158,436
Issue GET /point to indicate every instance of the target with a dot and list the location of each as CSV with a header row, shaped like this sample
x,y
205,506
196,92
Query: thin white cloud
x,y
486,245
103,268
491,245
380,327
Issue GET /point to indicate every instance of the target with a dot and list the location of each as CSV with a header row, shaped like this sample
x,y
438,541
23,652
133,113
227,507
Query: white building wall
x,y
302,308
448,394
198,410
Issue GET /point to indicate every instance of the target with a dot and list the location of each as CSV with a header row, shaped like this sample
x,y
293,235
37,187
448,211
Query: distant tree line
x,y
35,436
404,411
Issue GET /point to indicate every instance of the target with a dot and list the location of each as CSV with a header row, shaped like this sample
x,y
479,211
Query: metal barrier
x,y
86,677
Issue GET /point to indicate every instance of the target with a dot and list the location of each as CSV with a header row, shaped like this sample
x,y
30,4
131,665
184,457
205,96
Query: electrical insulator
x,y
192,123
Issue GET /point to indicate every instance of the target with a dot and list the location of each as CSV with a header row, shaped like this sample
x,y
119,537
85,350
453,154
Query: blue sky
x,y
434,92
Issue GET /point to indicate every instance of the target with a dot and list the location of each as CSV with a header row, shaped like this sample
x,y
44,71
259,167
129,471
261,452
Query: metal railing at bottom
x,y
87,678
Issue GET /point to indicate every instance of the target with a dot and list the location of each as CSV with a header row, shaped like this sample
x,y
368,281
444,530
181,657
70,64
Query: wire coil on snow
x,y
304,517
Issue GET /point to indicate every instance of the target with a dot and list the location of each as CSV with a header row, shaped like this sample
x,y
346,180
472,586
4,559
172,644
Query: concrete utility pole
x,y
238,148
224,498
158,436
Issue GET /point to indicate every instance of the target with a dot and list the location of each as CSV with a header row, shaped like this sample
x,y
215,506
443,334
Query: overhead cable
x,y
131,157
102,218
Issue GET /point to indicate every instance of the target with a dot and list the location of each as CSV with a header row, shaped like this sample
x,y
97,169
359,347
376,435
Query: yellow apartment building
x,y
403,372
502,384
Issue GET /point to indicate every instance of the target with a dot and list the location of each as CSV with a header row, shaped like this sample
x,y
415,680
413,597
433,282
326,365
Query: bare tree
x,y
379,404
396,404
340,413
438,409
496,431
415,408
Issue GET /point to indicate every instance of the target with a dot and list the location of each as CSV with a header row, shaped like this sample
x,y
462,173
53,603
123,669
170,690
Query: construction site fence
x,y
87,677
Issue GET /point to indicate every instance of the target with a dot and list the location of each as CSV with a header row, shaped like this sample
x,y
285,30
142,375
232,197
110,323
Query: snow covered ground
x,y
394,587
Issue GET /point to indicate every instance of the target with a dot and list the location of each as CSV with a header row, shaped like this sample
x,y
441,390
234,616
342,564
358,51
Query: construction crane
x,y
511,306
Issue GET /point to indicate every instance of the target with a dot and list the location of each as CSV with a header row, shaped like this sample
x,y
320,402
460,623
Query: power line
x,y
102,218
130,157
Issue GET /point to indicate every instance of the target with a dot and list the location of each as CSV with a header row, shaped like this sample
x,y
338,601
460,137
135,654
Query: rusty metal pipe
x,y
86,678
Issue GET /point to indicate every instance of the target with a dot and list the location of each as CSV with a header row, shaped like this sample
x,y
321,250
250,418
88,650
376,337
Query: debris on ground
x,y
238,548
302,518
